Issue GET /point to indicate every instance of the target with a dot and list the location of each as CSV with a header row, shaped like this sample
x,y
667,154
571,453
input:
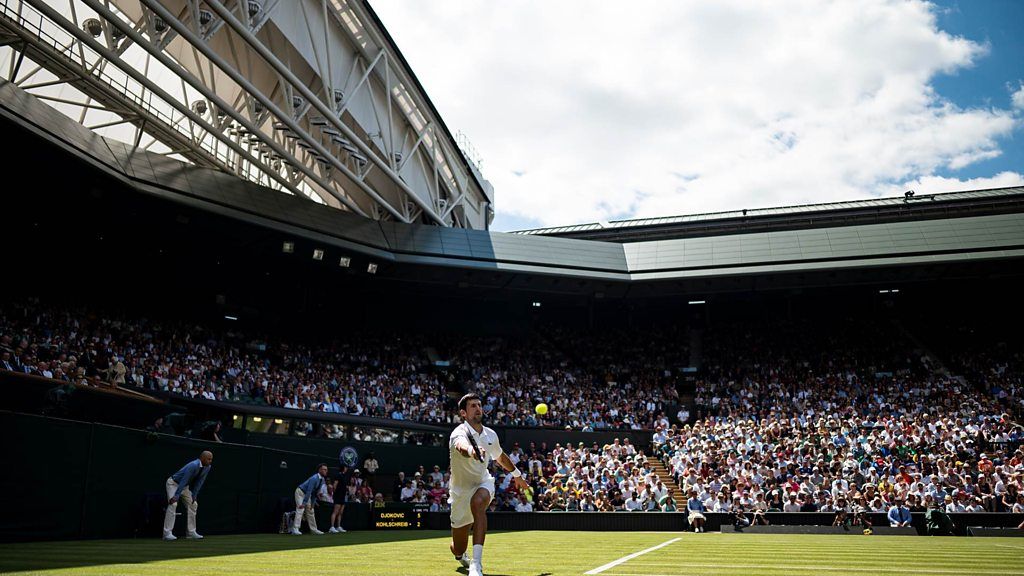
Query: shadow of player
x,y
462,570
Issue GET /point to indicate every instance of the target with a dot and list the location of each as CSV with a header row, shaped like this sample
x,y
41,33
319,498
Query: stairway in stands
x,y
663,474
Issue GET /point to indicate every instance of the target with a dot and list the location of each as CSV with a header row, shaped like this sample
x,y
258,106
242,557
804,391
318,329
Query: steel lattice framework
x,y
309,97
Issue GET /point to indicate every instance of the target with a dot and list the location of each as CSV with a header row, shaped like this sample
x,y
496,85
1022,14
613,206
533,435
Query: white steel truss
x,y
309,97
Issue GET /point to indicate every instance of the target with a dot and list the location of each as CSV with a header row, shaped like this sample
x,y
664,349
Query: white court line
x,y
615,563
809,568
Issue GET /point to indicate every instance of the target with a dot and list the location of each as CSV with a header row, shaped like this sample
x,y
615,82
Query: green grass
x,y
524,554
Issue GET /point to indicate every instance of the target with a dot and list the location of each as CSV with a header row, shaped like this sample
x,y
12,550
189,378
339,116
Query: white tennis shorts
x,y
462,514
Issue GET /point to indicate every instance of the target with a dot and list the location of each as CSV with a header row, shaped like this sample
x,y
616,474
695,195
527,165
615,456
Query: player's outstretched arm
x,y
505,462
463,447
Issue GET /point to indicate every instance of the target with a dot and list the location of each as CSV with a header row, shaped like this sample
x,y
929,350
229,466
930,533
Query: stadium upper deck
x,y
904,208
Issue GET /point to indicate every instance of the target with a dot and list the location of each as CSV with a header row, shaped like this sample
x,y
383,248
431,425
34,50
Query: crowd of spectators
x,y
512,375
373,375
843,417
377,375
985,355
613,477
595,478
832,415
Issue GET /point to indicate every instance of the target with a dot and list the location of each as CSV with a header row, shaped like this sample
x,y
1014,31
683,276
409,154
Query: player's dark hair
x,y
465,399
322,465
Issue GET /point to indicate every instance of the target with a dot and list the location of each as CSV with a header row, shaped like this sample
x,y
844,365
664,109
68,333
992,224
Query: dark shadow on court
x,y
30,556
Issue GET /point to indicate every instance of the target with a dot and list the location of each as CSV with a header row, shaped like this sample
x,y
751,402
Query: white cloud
x,y
936,184
587,111
1018,97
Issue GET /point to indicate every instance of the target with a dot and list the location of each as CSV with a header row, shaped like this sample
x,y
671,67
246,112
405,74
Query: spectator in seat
x,y
695,512
899,515
791,504
408,492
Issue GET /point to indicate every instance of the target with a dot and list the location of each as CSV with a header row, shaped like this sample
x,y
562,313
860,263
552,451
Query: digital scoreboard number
x,y
392,517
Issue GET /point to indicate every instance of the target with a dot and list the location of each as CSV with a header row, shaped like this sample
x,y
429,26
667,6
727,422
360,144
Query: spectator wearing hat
x,y
695,512
791,504
899,515
436,475
952,506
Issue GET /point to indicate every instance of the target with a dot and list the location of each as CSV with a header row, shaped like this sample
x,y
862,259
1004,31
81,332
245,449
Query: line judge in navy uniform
x,y
184,486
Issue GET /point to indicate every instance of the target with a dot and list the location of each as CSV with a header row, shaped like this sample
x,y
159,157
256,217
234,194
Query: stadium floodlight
x,y
257,419
278,421
694,302
371,268
536,304
895,290
288,247
318,254
344,261
883,291
231,317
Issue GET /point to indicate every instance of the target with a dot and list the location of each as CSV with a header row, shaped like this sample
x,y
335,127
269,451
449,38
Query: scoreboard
x,y
397,516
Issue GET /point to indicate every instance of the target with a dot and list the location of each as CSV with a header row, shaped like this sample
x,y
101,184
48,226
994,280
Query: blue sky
x,y
689,106
1000,24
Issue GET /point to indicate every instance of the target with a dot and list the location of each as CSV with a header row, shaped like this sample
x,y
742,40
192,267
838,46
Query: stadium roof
x,y
901,208
867,236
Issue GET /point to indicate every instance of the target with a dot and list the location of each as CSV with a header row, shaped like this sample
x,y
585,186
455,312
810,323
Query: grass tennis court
x,y
524,554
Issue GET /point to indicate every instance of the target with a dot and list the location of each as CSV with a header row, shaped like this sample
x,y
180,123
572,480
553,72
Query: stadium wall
x,y
70,479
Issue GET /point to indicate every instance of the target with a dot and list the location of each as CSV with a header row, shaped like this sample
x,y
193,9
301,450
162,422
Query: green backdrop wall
x,y
69,479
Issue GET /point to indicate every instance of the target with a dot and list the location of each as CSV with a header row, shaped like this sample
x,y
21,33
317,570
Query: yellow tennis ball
x,y
541,408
